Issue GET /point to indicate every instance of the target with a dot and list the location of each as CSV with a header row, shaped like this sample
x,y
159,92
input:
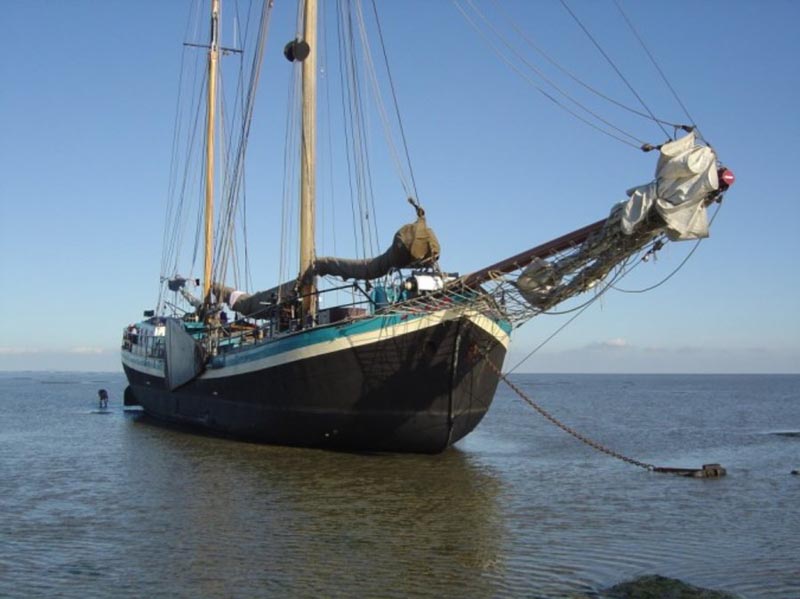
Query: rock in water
x,y
660,587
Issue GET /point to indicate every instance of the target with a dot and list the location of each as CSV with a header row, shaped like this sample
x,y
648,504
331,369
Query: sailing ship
x,y
410,362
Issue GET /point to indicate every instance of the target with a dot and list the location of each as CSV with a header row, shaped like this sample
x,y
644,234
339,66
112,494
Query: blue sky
x,y
86,115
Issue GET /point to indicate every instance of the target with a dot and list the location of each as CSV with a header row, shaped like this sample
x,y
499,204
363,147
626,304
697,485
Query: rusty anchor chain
x,y
707,471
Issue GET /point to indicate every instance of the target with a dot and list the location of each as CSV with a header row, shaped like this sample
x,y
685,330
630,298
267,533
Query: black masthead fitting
x,y
296,50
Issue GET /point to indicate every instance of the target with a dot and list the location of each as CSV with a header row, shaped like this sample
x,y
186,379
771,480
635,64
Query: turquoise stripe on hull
x,y
319,335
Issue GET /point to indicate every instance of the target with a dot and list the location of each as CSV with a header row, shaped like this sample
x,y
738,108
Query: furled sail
x,y
686,173
672,206
253,305
414,244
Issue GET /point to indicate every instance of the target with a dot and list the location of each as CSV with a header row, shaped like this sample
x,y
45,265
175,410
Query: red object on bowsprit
x,y
726,178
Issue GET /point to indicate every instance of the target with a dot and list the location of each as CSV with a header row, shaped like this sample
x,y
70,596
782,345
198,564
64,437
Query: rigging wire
x,y
373,77
575,308
328,135
656,65
571,75
247,280
395,101
168,233
621,273
677,268
614,66
174,221
291,158
612,285
366,195
192,174
192,179
345,104
239,43
173,168
323,135
235,175
352,105
546,79
546,94
200,172
222,209
548,339
355,119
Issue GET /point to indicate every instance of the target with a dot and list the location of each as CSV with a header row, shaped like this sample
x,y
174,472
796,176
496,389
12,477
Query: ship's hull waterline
x,y
417,385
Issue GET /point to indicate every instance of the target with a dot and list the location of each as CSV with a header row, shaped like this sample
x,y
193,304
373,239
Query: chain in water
x,y
564,427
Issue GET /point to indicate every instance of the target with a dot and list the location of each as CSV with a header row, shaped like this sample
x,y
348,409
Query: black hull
x,y
417,392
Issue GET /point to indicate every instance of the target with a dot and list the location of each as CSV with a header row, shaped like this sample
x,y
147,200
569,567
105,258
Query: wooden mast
x,y
308,159
213,60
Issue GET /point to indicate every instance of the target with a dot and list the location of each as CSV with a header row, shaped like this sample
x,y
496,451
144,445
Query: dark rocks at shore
x,y
658,587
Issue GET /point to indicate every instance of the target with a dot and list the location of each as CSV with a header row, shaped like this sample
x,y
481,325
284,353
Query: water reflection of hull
x,y
417,386
394,525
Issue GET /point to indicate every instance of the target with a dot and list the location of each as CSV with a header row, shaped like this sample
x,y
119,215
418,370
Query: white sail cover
x,y
686,173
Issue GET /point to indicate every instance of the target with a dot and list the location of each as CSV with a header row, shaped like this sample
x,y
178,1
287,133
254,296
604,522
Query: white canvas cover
x,y
685,174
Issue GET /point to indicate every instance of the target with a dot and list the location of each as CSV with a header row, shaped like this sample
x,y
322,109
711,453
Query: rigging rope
x,y
679,267
173,171
328,135
621,273
394,99
343,86
547,95
568,73
290,169
369,215
357,141
656,65
590,301
235,176
657,244
175,208
380,105
614,66
546,79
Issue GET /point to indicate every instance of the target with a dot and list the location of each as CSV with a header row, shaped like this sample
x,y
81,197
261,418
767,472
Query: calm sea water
x,y
112,505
